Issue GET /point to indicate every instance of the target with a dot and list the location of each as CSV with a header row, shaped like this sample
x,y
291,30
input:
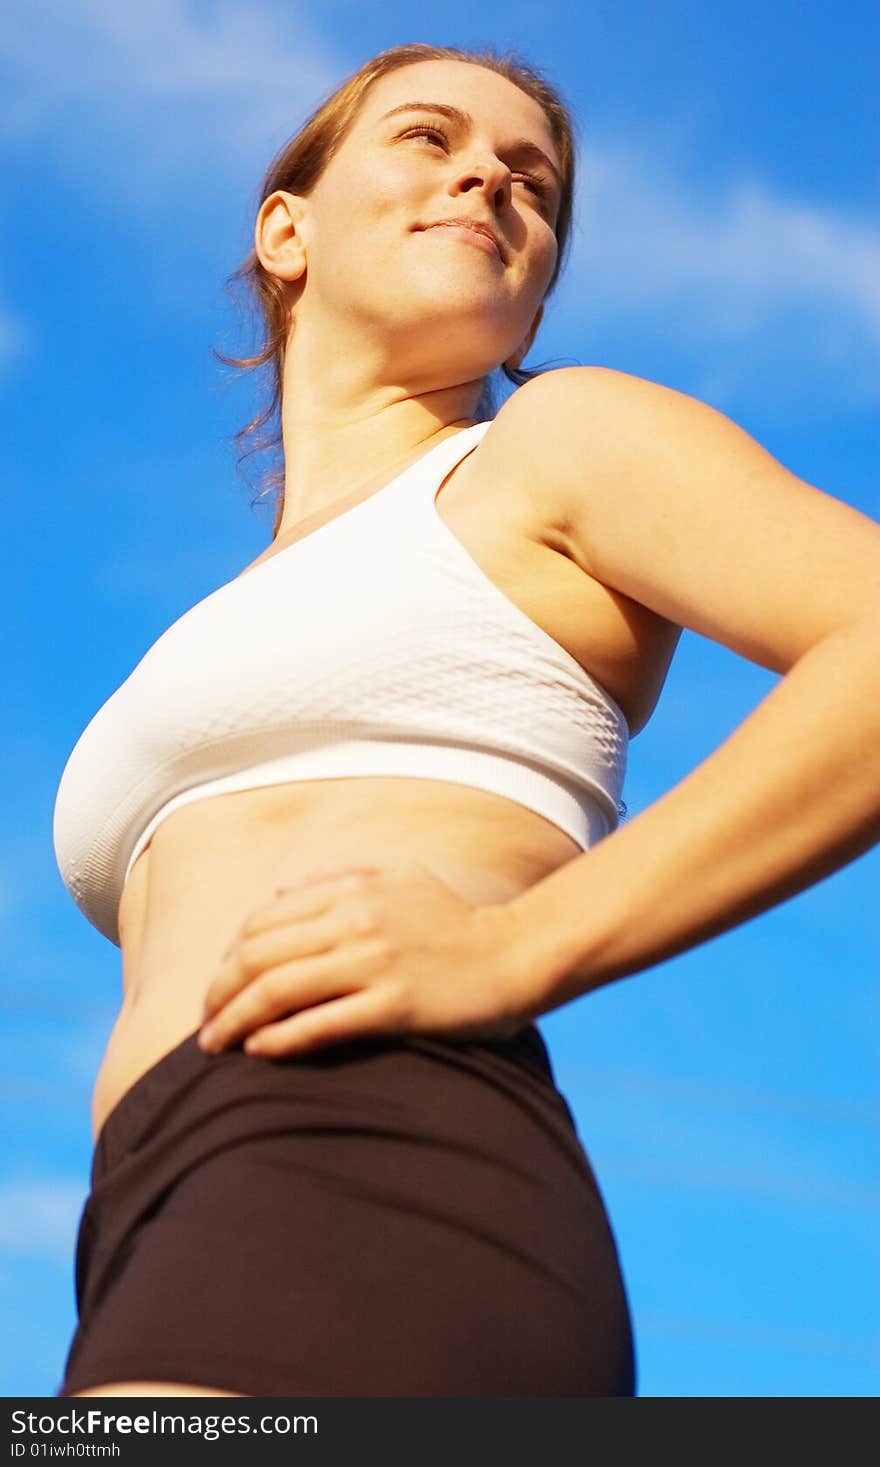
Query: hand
x,y
366,951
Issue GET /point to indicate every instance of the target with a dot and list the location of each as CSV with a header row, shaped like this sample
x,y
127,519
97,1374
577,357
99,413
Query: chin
x,y
459,304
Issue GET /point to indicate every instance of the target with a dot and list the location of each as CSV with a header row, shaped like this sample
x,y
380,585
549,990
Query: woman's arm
x,y
673,504
676,506
791,796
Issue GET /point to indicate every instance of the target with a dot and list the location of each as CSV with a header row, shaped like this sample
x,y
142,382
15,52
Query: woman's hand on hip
x,y
362,951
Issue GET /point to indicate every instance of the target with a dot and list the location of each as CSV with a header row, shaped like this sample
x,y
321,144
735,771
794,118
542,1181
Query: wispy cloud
x,y
144,90
770,277
770,293
16,339
136,105
39,1216
654,239
8,895
671,1132
696,1095
750,1335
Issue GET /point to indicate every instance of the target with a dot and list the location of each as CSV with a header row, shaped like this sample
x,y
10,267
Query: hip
x,y
430,1191
470,1131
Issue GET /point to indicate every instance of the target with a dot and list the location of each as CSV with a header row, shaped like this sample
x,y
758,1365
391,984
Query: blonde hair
x,y
296,169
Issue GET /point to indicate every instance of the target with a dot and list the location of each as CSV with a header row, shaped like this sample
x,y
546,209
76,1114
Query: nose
x,y
488,176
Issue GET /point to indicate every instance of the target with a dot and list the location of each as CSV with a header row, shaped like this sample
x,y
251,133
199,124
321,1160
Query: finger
x,y
247,959
304,897
355,1016
290,987
328,873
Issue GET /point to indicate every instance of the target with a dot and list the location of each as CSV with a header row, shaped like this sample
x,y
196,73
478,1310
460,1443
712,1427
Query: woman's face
x,y
434,142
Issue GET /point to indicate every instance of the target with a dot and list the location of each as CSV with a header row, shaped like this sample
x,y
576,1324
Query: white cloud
x,y
771,284
133,103
160,91
775,297
652,240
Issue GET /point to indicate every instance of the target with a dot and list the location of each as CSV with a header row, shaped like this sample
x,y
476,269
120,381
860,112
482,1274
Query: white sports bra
x,y
374,645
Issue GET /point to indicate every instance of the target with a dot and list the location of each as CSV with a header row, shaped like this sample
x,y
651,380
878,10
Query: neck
x,y
350,426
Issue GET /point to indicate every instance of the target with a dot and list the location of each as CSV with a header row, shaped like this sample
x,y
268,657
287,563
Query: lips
x,y
475,226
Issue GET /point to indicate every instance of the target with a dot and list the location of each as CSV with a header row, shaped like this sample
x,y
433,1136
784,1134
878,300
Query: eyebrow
x,y
523,146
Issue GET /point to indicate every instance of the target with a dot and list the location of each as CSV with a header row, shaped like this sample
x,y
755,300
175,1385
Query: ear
x,y
525,345
279,235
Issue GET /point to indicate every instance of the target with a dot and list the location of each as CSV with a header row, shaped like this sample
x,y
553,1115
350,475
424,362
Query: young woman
x,y
359,807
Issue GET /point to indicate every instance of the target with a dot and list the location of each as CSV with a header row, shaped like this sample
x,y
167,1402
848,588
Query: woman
x,y
359,807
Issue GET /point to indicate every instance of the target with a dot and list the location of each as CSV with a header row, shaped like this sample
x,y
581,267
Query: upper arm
x,y
670,502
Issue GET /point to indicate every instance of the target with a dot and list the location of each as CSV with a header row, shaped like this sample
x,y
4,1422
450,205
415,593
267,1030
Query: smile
x,y
468,232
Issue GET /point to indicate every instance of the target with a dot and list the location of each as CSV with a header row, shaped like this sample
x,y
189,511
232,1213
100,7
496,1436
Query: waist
x,y
216,860
582,807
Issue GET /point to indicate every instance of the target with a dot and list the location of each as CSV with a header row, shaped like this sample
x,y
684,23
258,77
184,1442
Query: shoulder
x,y
583,443
668,500
570,420
555,392
574,433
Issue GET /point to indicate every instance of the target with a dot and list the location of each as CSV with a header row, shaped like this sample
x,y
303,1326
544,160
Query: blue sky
x,y
727,244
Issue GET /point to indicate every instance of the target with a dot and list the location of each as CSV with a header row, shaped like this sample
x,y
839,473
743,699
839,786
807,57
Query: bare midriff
x,y
211,862
214,861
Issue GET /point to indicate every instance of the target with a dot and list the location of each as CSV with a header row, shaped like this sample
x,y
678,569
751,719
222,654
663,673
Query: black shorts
x,y
408,1217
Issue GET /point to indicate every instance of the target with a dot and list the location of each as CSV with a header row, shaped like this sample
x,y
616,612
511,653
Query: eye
x,y
537,187
427,130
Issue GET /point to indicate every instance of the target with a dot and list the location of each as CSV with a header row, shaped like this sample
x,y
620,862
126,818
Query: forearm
x,y
790,796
